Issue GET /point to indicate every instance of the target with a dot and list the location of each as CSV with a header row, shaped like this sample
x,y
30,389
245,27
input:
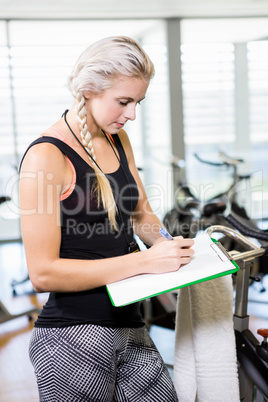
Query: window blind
x,y
257,53
208,92
208,84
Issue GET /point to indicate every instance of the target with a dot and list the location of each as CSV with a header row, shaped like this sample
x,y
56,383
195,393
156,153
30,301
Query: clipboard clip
x,y
220,251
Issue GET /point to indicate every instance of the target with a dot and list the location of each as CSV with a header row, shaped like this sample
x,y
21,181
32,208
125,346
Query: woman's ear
x,y
86,94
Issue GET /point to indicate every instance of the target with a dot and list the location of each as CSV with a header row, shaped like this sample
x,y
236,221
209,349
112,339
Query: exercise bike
x,y
192,214
11,308
251,354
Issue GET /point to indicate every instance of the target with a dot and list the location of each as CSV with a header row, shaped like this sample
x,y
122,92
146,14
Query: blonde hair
x,y
94,71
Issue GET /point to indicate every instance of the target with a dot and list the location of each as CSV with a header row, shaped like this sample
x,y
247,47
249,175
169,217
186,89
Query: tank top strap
x,y
121,151
75,159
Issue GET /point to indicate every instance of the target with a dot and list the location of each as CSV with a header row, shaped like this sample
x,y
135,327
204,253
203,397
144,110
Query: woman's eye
x,y
123,103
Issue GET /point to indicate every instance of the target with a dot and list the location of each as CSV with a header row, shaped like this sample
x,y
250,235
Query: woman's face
x,y
111,109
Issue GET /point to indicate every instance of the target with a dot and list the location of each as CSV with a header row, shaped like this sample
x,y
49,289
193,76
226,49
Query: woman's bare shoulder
x,y
43,156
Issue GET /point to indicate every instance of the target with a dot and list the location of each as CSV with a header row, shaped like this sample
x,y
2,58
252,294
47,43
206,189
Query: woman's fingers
x,y
170,255
185,260
186,252
182,242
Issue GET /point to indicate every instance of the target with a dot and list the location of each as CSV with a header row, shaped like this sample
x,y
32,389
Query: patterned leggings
x,y
93,363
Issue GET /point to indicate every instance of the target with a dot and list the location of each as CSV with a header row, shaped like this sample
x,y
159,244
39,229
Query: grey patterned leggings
x,y
100,364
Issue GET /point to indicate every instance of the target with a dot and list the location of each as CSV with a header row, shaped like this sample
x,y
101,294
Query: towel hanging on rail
x,y
205,363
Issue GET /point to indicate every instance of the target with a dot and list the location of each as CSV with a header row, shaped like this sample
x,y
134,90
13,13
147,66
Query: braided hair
x,y
93,72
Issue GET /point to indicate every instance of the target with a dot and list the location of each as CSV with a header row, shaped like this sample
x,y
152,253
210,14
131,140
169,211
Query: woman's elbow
x,y
40,281
38,284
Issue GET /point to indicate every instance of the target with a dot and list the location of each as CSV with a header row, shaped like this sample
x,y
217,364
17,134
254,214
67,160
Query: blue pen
x,y
165,234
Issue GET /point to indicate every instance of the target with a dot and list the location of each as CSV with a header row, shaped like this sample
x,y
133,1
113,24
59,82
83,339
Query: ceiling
x,y
203,20
131,8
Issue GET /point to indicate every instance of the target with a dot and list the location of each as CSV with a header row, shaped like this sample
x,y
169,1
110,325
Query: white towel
x,y
205,363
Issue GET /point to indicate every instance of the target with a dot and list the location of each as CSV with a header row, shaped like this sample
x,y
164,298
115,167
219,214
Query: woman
x,y
81,197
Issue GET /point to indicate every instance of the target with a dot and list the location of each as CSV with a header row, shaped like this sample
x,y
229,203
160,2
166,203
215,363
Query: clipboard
x,y
210,261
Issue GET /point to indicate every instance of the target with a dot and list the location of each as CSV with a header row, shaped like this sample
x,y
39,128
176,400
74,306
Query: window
x,y
36,58
208,84
258,106
219,101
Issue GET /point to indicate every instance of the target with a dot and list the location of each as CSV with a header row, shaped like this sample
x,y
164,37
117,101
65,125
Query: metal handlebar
x,y
227,160
252,251
245,259
208,162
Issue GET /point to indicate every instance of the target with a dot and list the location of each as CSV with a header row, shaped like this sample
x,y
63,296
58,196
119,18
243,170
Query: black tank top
x,y
86,234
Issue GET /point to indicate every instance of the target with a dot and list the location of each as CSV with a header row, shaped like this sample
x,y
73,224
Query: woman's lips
x,y
120,124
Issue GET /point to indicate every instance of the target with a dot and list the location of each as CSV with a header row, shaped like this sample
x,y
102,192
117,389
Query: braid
x,y
94,72
103,188
81,117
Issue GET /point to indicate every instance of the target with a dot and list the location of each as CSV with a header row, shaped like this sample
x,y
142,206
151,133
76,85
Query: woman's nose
x,y
130,111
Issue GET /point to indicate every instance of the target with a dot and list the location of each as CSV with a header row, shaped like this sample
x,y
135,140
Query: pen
x,y
165,234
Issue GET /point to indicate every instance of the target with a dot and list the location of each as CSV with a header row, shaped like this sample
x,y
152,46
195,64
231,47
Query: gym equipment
x,y
252,356
14,307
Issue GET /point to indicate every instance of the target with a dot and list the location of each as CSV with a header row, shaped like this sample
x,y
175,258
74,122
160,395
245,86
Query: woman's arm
x,y
45,174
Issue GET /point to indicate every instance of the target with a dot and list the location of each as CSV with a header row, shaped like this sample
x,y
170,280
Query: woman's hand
x,y
168,255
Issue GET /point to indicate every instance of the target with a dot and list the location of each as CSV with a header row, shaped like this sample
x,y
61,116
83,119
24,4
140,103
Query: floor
x,y
17,380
